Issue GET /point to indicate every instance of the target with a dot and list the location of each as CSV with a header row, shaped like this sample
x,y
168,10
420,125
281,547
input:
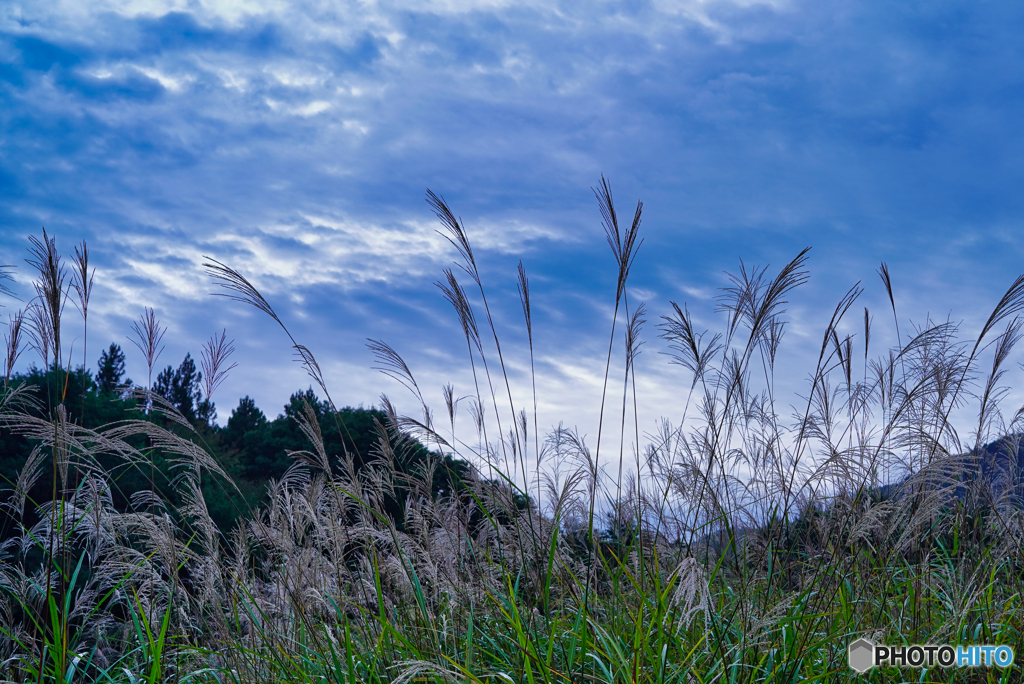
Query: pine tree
x,y
244,419
181,388
111,369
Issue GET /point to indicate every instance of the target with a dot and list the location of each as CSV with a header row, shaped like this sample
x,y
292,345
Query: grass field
x,y
741,544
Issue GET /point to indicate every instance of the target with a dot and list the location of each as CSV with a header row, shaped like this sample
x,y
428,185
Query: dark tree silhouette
x,y
110,368
244,419
181,388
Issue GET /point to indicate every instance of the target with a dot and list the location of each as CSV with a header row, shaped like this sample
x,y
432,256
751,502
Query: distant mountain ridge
x,y
996,469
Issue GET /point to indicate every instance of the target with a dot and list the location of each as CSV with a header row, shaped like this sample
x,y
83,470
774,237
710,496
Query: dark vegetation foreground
x,y
751,540
252,449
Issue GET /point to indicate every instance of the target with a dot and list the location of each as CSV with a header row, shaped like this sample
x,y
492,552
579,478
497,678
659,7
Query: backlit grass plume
x,y
746,535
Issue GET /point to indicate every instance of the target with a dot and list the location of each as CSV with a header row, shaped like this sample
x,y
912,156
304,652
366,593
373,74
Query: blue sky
x,y
295,141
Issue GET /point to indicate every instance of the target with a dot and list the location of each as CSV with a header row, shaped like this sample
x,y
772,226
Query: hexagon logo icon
x,y
862,655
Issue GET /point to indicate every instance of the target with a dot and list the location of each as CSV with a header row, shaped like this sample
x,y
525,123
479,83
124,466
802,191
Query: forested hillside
x,y
252,448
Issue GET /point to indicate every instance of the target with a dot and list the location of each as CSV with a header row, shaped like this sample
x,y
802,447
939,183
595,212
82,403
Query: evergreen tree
x,y
181,388
206,411
111,369
245,419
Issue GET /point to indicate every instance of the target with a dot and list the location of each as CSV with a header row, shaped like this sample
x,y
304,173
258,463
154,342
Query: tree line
x,y
252,448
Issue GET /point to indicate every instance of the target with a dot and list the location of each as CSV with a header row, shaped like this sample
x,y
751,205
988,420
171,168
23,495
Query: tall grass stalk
x,y
746,541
